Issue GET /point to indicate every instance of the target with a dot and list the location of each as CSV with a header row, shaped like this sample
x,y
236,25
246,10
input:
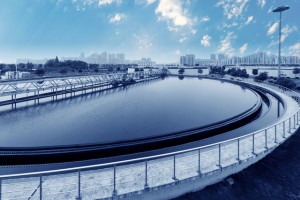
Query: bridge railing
x,y
63,83
124,177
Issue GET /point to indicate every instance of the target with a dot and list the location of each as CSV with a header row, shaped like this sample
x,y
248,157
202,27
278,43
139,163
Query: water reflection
x,y
181,77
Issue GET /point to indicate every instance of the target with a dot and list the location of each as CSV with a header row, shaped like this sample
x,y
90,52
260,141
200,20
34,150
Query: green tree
x,y
63,71
296,70
40,71
285,82
255,71
262,76
56,60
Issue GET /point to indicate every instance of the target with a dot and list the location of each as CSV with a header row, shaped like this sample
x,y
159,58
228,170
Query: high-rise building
x,y
182,61
213,56
144,62
120,58
111,58
103,58
188,60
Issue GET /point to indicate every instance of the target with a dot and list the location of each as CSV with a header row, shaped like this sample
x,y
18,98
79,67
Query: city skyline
x,y
184,60
160,29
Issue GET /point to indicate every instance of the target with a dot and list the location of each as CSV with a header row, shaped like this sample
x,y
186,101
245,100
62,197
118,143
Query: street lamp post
x,y
280,9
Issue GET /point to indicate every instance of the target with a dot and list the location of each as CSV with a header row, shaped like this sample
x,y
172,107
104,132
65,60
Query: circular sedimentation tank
x,y
143,118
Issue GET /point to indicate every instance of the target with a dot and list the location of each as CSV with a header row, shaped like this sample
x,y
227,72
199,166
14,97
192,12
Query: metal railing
x,y
116,178
62,83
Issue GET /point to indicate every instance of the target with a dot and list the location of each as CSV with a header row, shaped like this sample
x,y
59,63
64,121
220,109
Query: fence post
x,y
220,156
0,188
283,129
199,162
289,125
238,158
297,118
266,139
146,175
41,187
253,151
114,191
276,134
79,185
294,121
174,168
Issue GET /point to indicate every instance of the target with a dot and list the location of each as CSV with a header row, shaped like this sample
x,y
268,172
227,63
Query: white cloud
x,y
249,20
295,49
270,10
232,8
117,18
172,12
204,19
105,2
178,52
85,2
286,31
205,41
150,2
229,25
194,31
261,3
143,41
99,2
183,39
273,28
225,46
257,50
244,48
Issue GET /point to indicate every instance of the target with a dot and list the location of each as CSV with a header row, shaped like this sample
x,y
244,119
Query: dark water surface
x,y
143,110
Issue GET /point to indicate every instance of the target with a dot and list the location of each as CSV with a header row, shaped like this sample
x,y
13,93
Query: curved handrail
x,y
72,169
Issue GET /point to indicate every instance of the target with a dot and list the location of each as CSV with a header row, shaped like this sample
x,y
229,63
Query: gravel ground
x,y
277,176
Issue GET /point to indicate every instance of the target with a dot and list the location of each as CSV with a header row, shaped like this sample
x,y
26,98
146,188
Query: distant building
x,y
213,56
33,61
188,60
16,75
144,62
120,58
206,62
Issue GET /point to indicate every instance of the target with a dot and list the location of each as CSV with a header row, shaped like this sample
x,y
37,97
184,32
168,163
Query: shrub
x,y
255,71
262,76
285,82
40,71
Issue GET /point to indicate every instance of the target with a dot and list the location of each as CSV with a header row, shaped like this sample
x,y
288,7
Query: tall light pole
x,y
280,9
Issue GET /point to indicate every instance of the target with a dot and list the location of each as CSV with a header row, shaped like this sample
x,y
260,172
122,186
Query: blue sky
x,y
160,29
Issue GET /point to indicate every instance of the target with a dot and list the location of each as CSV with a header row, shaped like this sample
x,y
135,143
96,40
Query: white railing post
x,y
0,189
253,148
238,150
79,186
290,125
266,139
283,129
114,189
174,168
146,175
276,134
294,121
220,157
41,187
199,162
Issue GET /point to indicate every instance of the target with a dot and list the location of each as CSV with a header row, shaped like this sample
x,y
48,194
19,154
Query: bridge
x,y
24,90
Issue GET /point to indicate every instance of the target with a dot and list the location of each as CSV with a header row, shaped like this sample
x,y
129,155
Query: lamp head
x,y
281,9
